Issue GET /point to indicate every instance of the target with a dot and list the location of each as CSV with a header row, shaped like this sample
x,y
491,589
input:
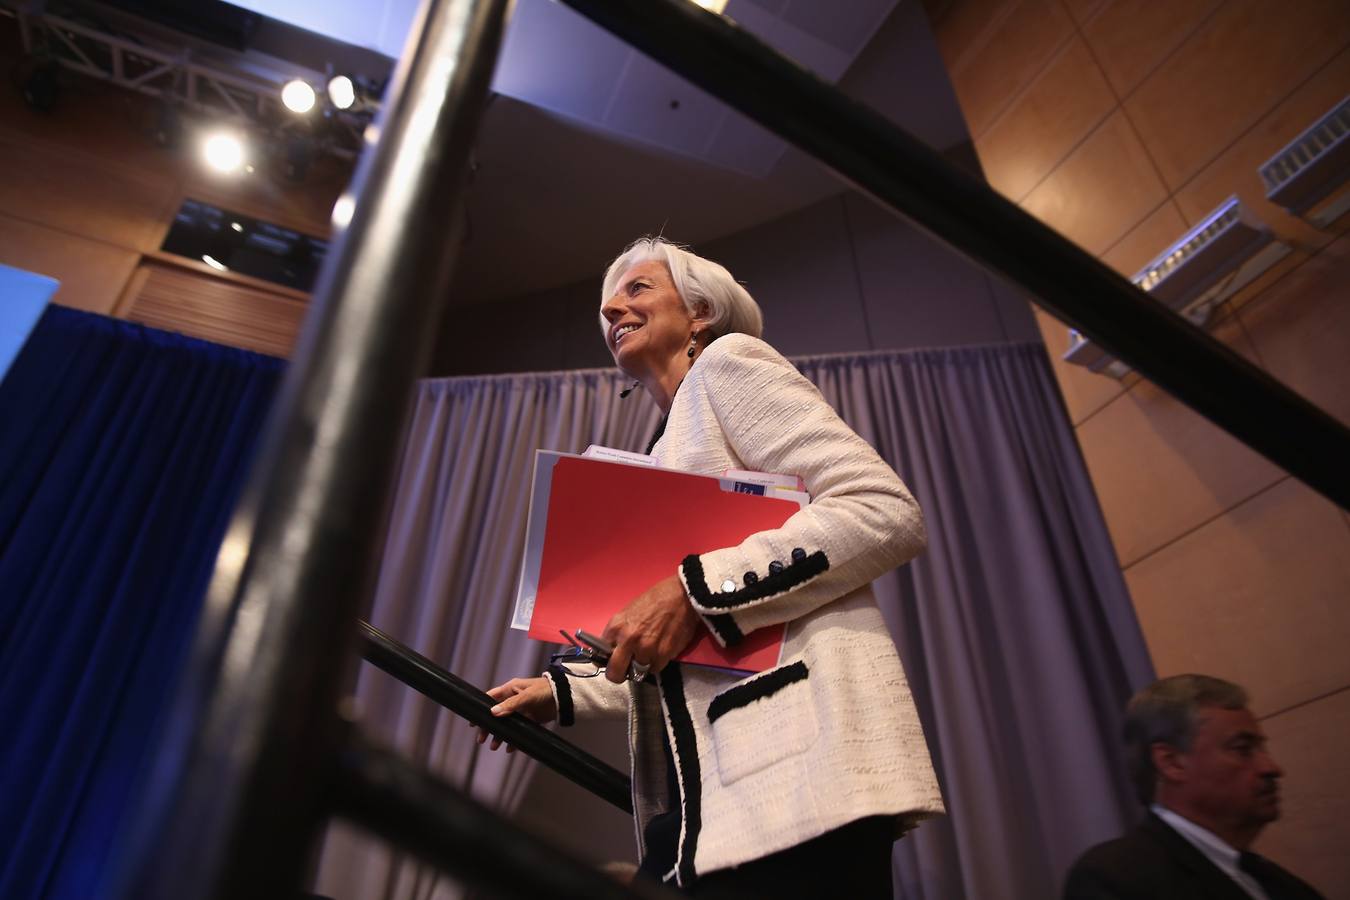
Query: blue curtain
x,y
122,450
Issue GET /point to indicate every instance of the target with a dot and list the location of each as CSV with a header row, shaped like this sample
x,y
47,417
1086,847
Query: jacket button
x,y
775,567
728,586
751,578
798,554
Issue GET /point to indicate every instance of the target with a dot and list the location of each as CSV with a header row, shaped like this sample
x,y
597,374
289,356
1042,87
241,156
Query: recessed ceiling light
x,y
341,91
224,151
343,209
214,263
298,96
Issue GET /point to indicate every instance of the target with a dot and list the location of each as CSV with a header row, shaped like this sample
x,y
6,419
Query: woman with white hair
x,y
792,782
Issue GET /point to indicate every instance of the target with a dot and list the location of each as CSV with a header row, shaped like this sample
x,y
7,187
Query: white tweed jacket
x,y
831,734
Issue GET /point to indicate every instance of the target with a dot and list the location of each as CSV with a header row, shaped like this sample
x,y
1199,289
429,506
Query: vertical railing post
x,y
244,763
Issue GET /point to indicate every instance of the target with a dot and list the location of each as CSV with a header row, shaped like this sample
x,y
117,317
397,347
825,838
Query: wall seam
x,y
1302,703
982,39
1125,567
1004,112
1164,58
1124,392
1256,124
1129,122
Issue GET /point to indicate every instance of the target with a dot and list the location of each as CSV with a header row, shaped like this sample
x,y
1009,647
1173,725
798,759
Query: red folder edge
x,y
614,530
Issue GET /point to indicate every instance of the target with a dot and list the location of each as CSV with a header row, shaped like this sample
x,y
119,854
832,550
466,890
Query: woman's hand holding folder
x,y
652,629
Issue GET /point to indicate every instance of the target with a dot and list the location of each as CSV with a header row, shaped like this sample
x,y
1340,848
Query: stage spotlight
x,y
298,96
343,210
224,152
341,91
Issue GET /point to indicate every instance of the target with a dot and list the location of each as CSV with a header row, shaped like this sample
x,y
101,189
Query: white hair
x,y
706,287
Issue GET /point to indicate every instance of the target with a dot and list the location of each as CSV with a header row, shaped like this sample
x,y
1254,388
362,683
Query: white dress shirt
x,y
1215,849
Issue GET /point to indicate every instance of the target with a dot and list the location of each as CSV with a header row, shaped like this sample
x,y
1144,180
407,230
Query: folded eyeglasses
x,y
589,655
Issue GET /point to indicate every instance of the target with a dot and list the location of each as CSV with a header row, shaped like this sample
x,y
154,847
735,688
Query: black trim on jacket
x,y
566,711
686,761
777,582
725,628
748,692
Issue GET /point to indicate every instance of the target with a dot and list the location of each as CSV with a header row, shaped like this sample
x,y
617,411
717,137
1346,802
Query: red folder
x,y
614,530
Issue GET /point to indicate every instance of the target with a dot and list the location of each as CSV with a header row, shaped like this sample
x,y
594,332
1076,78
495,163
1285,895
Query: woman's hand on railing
x,y
531,697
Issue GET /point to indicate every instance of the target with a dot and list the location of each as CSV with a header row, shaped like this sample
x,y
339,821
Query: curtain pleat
x,y
124,449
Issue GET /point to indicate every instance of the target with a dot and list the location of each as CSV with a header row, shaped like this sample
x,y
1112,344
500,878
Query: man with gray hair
x,y
1199,763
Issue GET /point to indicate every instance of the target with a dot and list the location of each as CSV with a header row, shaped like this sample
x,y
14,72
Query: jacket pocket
x,y
762,721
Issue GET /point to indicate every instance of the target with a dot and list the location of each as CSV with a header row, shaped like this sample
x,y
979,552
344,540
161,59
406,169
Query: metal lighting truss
x,y
237,92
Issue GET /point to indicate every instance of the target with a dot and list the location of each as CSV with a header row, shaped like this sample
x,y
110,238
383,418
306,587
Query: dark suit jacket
x,y
1154,862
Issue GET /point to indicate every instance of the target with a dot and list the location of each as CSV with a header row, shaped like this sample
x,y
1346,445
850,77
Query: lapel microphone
x,y
628,390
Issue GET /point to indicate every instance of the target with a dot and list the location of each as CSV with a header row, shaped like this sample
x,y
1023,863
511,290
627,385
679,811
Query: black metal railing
x,y
961,210
255,756
463,699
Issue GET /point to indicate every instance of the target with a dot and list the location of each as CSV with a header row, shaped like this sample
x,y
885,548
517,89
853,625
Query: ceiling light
x,y
343,209
341,91
712,5
224,151
214,263
298,96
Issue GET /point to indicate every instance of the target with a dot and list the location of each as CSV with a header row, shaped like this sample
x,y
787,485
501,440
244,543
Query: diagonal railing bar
x,y
463,699
243,771
909,177
413,809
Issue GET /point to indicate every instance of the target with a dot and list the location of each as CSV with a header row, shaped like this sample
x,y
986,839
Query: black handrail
x,y
463,699
909,177
414,809
253,746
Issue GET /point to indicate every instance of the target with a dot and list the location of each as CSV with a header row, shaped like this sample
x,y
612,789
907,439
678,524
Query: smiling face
x,y
648,326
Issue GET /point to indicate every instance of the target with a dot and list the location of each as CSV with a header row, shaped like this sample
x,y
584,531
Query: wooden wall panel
x,y
84,194
1277,566
1309,839
1237,66
197,304
1102,190
1060,108
92,273
1235,170
1161,469
1301,329
1009,59
1131,37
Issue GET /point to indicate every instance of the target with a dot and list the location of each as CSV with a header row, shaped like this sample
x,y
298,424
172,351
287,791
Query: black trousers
x,y
853,861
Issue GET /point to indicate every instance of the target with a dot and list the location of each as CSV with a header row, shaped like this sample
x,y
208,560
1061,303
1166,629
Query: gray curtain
x,y
1015,627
